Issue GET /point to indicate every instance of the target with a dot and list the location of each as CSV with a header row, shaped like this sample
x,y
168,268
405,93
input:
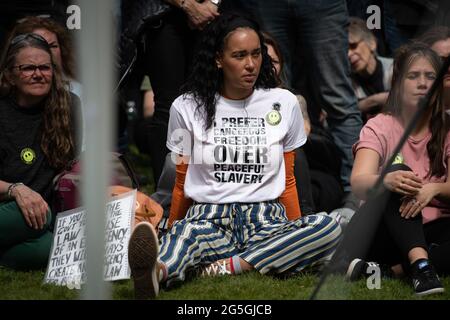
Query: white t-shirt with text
x,y
240,158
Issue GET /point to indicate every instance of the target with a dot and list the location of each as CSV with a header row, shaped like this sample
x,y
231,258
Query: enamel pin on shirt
x,y
398,159
274,117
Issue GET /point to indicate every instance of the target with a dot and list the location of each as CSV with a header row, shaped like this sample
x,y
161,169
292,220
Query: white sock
x,y
235,265
162,273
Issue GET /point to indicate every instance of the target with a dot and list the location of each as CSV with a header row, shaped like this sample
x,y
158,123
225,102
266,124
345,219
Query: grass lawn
x,y
252,286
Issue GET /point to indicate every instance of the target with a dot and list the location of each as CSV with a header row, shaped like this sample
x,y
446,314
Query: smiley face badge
x,y
27,156
274,116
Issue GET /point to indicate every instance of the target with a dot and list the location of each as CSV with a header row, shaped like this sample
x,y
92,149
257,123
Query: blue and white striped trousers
x,y
259,233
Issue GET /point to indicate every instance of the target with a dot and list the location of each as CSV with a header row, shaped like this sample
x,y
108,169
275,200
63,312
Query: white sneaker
x,y
342,216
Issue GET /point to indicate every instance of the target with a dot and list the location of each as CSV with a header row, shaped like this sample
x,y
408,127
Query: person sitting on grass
x,y
60,42
317,167
234,205
371,74
37,139
412,236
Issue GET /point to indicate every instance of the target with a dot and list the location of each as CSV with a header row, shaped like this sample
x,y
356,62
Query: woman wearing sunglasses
x,y
371,74
37,139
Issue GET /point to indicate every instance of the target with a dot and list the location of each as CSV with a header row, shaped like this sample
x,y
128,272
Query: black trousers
x,y
303,183
377,232
166,57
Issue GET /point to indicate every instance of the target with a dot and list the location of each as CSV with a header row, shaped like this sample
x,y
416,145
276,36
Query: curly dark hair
x,y
206,79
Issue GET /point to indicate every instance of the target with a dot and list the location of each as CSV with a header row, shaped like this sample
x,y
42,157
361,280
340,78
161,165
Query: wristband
x,y
11,188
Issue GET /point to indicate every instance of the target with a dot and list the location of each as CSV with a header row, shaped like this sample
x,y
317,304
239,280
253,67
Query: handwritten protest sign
x,y
67,262
120,217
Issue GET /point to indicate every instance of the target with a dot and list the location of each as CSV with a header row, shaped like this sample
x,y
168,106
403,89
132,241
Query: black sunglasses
x,y
354,45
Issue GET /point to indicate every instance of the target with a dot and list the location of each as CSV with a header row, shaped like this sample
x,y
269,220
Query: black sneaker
x,y
142,257
359,268
425,280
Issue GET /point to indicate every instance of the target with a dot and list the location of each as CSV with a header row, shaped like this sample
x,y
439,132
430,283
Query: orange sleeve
x,y
289,197
180,204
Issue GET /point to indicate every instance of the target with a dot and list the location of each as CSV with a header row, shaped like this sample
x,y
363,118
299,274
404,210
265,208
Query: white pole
x,y
96,47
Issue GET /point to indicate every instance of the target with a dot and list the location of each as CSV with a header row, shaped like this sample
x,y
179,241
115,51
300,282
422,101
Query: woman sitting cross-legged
x,y
235,206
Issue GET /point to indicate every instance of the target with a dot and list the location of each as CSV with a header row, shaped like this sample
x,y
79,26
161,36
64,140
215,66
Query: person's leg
x,y
392,33
166,54
381,207
277,18
303,182
438,237
202,238
397,243
407,237
408,234
163,193
32,254
292,246
143,249
326,190
22,247
323,36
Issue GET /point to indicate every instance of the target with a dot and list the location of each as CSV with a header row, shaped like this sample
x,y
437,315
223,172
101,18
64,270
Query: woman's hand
x,y
406,183
33,206
200,14
411,206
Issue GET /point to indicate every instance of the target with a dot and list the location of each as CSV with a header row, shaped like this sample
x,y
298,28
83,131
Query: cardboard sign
x,y
67,262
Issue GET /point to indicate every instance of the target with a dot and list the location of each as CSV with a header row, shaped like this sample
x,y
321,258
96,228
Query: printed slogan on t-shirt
x,y
241,149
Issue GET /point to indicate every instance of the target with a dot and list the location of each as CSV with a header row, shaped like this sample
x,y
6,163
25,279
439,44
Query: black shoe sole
x,y
142,257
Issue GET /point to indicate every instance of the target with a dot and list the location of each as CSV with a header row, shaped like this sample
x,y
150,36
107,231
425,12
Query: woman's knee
x,y
325,226
29,255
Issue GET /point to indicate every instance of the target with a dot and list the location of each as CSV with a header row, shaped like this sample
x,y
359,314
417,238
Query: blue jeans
x,y
320,28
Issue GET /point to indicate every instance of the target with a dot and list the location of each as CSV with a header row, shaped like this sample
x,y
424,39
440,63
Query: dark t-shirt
x,y
21,156
374,83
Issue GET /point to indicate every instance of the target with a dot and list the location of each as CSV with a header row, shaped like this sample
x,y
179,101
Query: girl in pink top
x,y
417,184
